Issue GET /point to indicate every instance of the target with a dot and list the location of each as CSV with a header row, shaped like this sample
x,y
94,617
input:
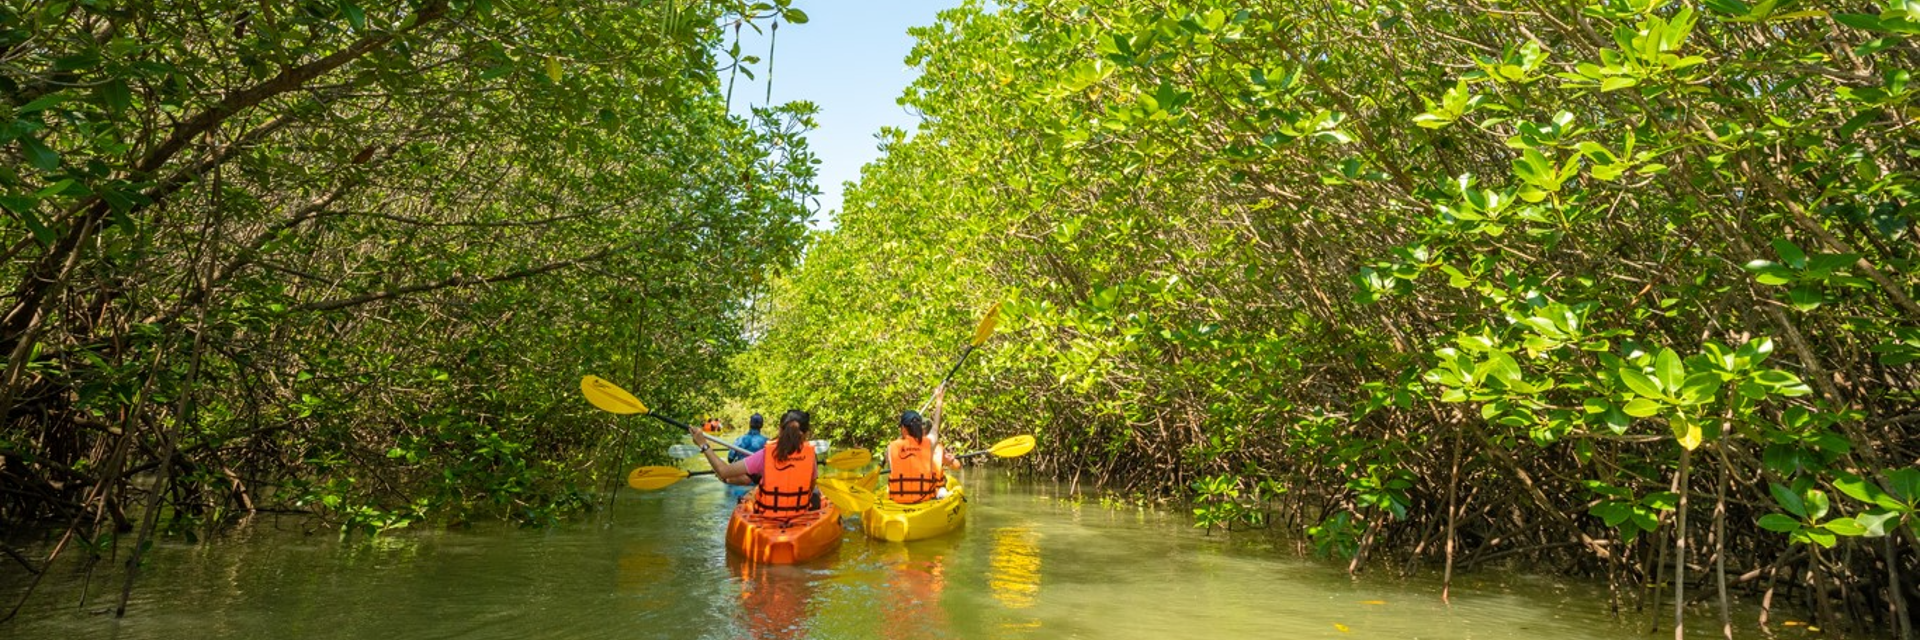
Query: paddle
x,y
1005,448
1013,447
610,398
845,460
850,498
651,478
980,335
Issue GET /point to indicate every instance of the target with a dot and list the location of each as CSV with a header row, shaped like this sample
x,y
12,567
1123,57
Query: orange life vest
x,y
914,473
787,485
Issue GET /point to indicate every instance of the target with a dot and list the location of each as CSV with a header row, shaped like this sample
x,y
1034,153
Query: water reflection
x,y
1015,564
641,571
1014,576
915,579
774,599
660,569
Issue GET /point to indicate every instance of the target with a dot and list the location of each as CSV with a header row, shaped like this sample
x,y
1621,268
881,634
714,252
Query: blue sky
x,y
850,59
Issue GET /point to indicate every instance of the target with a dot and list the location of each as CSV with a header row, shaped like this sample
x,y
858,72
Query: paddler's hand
x,y
699,438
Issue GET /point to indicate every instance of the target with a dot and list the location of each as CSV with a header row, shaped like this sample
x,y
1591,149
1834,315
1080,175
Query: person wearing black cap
x,y
916,463
751,441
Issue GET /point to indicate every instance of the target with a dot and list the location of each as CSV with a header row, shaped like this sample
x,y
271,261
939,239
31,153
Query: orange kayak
x,y
785,539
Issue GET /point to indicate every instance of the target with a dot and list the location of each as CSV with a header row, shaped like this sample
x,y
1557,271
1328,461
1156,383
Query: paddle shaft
x,y
975,454
710,437
949,377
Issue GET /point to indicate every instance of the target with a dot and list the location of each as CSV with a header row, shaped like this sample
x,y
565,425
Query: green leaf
x,y
1865,21
115,94
1669,369
1776,378
1643,407
1615,83
1858,488
1817,504
1876,523
38,154
1790,253
795,16
1662,500
45,102
1788,499
1805,298
1640,383
1779,523
1504,366
1734,8
1845,526
1612,513
1700,388
1905,483
1643,519
355,15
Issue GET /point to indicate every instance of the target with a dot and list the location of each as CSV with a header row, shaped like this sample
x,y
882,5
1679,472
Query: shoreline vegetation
x,y
349,257
1622,289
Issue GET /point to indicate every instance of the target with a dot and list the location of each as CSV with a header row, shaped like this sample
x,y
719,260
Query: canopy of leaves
x,y
353,256
1511,258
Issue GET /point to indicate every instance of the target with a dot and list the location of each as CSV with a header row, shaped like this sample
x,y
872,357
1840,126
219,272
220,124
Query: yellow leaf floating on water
x,y
1373,602
1343,628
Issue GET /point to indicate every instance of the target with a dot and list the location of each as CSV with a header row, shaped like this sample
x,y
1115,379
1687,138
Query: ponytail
x,y
917,427
793,433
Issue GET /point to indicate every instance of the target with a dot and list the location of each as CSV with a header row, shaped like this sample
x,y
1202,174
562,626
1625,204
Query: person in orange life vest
x,y
784,472
915,460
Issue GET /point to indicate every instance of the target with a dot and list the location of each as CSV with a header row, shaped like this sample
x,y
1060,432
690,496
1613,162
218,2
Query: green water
x,y
1028,565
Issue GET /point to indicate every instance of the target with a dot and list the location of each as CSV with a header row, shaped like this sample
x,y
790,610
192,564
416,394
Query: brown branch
x,y
454,282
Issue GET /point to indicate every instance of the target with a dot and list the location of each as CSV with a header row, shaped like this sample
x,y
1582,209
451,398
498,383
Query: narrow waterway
x,y
1027,565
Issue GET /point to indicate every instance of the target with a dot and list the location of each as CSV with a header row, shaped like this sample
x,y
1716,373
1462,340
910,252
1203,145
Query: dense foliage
x,y
352,257
1622,287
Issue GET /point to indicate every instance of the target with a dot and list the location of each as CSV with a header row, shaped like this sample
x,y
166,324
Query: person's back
x,y
914,463
787,474
751,441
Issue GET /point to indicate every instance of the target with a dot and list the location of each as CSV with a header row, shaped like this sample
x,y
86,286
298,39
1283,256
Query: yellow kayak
x,y
903,522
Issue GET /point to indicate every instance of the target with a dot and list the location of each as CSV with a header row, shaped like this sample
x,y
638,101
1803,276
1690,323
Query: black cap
x,y
909,417
755,422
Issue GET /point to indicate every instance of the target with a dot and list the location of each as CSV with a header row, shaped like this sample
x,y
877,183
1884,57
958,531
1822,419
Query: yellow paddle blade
x,y
848,498
868,479
609,397
850,459
985,330
650,478
1013,447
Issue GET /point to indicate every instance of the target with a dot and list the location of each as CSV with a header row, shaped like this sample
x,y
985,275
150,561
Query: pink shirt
x,y
757,463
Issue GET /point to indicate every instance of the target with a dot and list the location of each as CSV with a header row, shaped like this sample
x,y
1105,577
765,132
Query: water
x,y
1028,565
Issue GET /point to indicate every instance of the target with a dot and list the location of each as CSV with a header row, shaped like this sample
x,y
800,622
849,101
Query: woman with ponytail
x,y
784,472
